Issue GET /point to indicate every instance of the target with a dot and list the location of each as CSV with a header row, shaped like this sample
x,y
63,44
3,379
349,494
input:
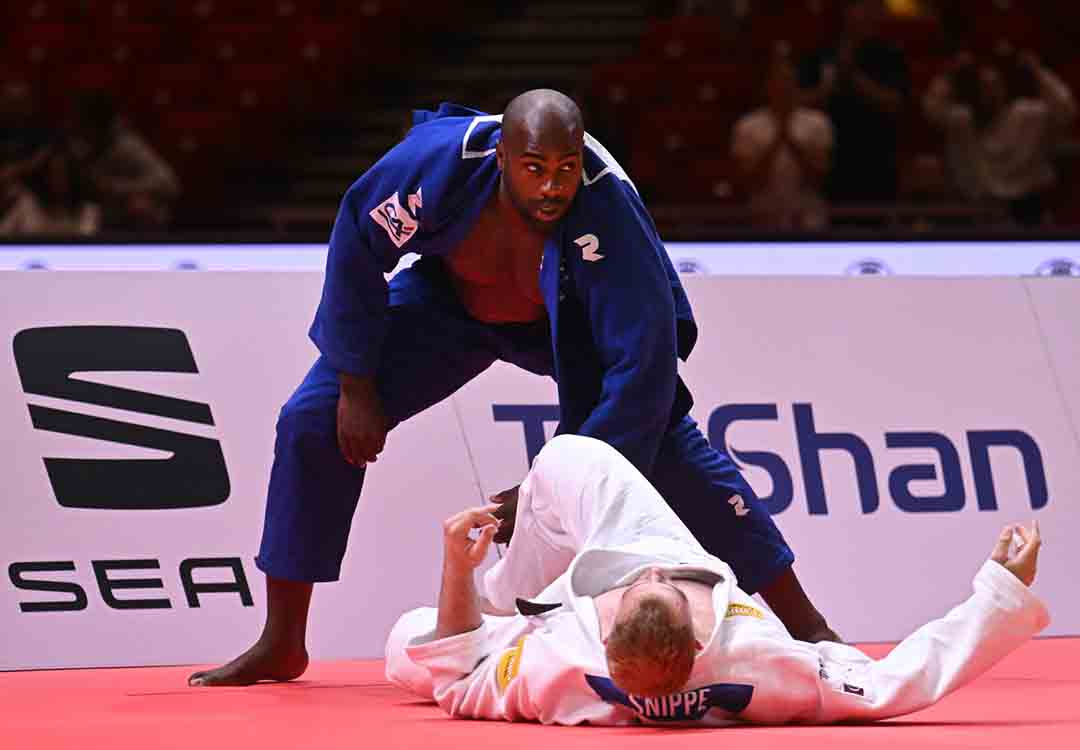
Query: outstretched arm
x,y
947,653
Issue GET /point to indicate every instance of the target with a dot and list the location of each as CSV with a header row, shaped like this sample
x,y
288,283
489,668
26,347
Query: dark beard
x,y
537,225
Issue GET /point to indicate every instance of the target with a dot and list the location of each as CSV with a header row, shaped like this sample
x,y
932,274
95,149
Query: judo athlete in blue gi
x,y
536,250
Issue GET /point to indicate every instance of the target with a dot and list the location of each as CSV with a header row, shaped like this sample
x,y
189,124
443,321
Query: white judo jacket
x,y
588,521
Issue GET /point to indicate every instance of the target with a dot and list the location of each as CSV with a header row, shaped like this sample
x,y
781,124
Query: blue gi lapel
x,y
549,287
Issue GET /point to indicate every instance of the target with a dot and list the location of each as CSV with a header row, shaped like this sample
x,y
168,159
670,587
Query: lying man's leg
x,y
580,493
400,669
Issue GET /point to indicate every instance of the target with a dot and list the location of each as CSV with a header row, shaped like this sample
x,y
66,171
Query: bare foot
x,y
258,663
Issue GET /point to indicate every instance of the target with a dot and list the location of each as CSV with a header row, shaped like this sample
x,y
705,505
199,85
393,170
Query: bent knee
x,y
297,422
578,449
571,455
400,669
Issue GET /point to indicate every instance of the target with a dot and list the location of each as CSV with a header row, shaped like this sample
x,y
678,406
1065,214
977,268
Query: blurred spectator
x,y
24,147
19,211
781,152
23,137
133,184
924,180
1002,123
924,193
862,83
61,199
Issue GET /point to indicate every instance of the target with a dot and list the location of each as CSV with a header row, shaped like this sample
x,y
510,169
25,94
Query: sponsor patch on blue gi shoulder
x,y
688,705
399,222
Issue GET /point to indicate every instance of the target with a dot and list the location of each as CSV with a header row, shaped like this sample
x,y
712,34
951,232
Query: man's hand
x,y
1022,564
461,549
361,424
506,511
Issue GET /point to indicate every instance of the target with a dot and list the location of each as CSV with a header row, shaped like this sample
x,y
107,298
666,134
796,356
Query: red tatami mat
x,y
1031,701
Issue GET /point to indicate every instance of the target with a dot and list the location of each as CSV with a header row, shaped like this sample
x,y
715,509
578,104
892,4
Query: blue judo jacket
x,y
619,315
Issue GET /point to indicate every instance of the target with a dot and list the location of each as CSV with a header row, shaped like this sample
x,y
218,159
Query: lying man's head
x,y
651,647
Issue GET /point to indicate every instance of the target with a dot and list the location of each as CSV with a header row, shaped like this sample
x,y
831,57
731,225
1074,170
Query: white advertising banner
x,y
732,258
893,425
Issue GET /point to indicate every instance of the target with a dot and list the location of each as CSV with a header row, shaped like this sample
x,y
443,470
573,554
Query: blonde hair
x,y
650,653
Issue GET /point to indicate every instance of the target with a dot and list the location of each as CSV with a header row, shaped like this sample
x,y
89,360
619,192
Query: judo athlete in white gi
x,y
594,547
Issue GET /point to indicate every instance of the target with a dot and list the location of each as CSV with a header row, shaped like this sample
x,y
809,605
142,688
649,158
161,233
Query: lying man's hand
x,y
1022,564
463,550
506,511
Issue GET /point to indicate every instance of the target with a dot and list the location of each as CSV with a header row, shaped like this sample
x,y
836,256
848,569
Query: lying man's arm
x,y
466,662
459,605
580,493
947,653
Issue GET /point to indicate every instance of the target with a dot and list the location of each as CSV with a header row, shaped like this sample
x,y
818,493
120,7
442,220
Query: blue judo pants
x,y
432,348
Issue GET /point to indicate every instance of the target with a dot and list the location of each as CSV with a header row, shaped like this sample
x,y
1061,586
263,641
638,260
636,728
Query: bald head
x,y
540,154
542,115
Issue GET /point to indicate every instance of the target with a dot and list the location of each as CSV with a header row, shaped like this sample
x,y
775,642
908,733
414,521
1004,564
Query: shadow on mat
x,y
656,728
271,685
968,723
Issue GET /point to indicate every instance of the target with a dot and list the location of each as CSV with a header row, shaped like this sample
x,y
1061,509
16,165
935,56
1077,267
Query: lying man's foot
x,y
254,665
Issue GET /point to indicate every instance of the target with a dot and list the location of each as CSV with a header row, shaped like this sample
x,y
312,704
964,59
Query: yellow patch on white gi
x,y
509,664
743,610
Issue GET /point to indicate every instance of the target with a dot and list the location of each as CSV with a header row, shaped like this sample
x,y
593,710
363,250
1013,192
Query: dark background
x,y
268,110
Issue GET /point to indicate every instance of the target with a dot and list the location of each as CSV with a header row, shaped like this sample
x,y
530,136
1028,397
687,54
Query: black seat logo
x,y
193,476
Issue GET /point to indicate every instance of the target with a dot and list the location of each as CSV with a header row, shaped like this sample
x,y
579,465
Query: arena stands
x,y
268,110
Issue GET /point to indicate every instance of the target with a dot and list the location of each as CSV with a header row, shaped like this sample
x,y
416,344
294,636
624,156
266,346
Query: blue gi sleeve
x,y
370,233
631,311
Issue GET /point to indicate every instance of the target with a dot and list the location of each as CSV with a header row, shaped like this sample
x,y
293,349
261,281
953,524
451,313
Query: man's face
x,y
654,583
541,171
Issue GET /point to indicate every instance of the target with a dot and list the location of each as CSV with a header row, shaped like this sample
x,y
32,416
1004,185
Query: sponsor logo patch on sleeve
x,y
850,679
743,610
509,664
399,222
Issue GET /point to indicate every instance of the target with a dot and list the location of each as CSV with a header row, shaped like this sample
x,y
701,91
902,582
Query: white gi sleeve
x,y
936,659
580,493
474,674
